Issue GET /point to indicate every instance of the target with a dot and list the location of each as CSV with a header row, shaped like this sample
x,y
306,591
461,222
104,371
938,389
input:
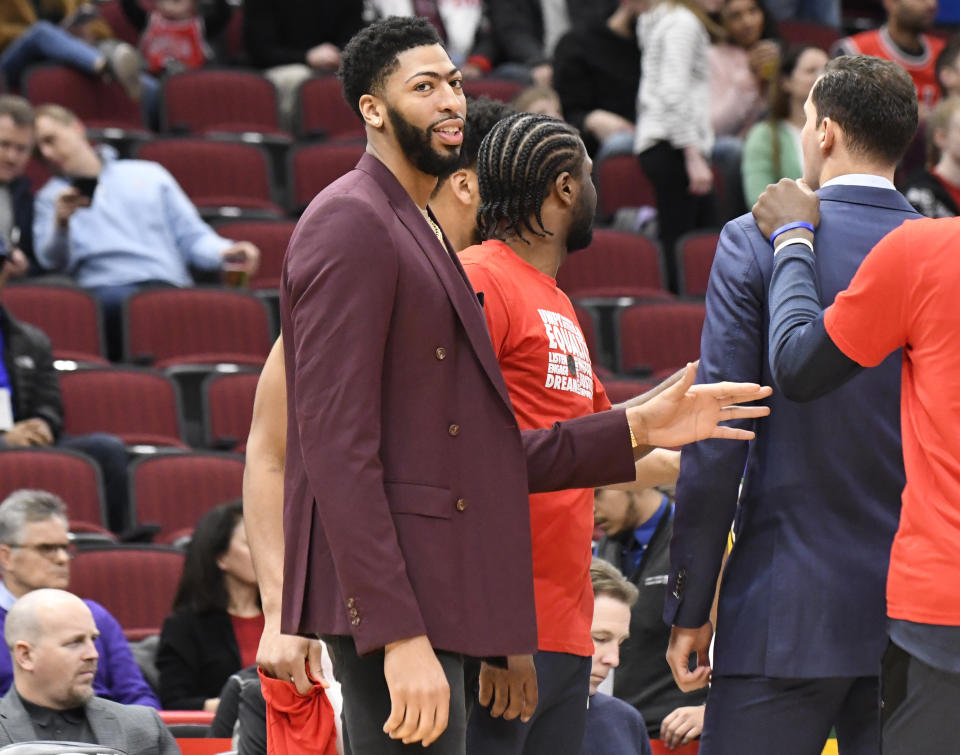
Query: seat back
x,y
315,166
195,322
139,405
70,317
271,237
695,253
176,490
323,113
73,476
615,264
621,182
228,408
94,101
196,101
662,336
808,33
136,584
589,329
503,90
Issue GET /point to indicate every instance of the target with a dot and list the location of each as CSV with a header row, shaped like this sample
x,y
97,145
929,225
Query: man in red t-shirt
x,y
537,205
903,39
903,295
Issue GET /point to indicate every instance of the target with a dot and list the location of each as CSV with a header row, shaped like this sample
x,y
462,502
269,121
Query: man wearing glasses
x,y
35,552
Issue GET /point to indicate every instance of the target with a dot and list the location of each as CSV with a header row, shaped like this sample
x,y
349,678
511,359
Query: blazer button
x,y
454,430
355,620
441,352
354,612
351,602
461,504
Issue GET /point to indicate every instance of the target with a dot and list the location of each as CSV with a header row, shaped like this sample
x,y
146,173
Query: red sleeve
x,y
601,402
869,320
495,307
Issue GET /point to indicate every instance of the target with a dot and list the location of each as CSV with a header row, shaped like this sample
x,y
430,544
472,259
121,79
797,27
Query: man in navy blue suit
x,y
801,616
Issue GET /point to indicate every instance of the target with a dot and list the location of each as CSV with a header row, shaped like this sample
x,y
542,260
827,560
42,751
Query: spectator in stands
x,y
52,636
34,32
935,190
35,552
826,12
674,135
294,40
462,25
772,147
31,412
216,621
903,39
613,726
527,31
597,75
139,229
948,67
637,527
16,195
539,100
173,35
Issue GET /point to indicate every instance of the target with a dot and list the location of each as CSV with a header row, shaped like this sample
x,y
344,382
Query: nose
x,y
90,650
453,99
611,655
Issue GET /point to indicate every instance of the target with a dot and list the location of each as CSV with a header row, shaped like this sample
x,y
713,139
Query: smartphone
x,y
86,185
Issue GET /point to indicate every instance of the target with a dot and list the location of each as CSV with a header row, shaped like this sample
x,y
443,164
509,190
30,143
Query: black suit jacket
x,y
197,654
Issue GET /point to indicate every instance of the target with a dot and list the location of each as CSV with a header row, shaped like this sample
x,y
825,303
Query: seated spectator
x,y
637,530
35,553
826,12
674,134
541,100
31,412
138,230
52,637
613,726
462,25
217,621
741,68
526,32
903,39
948,67
16,196
771,150
173,35
935,191
27,38
294,40
597,75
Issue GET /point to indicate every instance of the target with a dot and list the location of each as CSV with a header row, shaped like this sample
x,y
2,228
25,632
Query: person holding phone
x,y
118,226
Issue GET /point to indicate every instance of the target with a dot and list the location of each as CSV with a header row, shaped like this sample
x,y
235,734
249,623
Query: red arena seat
x,y
228,409
615,264
661,337
69,316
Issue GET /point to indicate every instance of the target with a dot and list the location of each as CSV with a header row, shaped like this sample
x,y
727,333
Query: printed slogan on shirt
x,y
568,361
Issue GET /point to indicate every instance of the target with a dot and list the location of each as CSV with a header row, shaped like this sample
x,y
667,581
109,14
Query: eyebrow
x,y
434,74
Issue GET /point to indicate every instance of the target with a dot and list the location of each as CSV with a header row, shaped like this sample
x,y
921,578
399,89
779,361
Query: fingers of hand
x,y
531,697
501,696
486,689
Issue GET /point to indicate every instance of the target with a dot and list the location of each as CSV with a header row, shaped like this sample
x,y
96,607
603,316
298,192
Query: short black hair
x,y
874,101
371,55
947,57
482,115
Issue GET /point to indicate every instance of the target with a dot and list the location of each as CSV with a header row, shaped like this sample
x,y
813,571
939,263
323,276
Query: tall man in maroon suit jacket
x,y
406,527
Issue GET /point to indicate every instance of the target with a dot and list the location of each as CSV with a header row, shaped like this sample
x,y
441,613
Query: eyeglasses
x,y
47,550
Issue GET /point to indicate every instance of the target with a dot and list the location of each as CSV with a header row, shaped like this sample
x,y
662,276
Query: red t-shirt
x,y
544,360
922,68
164,41
907,293
247,631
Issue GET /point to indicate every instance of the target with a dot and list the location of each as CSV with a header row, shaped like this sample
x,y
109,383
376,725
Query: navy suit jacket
x,y
803,589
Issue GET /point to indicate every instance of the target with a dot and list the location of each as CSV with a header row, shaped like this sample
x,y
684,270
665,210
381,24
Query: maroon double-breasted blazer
x,y
406,508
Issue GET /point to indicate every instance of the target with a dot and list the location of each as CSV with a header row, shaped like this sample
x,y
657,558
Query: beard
x,y
581,228
417,147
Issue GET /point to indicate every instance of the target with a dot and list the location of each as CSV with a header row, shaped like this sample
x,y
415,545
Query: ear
x,y
6,553
828,134
565,188
23,655
373,111
461,186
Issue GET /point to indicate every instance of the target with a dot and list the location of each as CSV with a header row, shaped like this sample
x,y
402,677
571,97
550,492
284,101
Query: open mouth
x,y
450,132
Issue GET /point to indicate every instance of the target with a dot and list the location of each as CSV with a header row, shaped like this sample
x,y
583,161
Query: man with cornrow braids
x,y
537,206
406,536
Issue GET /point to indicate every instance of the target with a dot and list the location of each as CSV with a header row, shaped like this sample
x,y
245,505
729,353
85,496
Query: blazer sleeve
x,y
731,348
166,744
126,682
340,283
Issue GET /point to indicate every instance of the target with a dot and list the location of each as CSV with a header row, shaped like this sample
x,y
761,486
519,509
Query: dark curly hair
x,y
371,55
518,162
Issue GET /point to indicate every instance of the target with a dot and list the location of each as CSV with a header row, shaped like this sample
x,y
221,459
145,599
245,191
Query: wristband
x,y
806,242
790,227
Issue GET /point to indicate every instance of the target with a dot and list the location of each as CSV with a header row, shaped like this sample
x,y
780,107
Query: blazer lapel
x,y
14,718
106,727
444,261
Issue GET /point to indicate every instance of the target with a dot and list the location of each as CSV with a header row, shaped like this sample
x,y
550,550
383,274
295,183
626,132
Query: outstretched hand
x,y
685,413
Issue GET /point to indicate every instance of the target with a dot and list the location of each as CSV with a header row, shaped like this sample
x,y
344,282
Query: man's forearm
x,y
263,515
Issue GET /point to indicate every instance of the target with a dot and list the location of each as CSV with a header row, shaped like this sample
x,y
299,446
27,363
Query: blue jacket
x,y
118,677
803,589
